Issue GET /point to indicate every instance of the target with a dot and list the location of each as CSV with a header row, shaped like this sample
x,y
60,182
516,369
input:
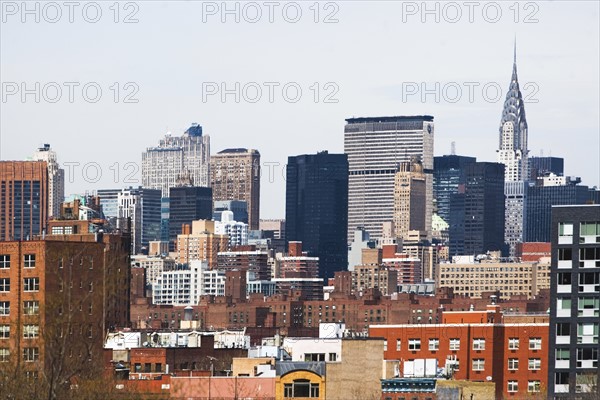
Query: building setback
x,y
375,148
56,179
235,175
23,199
448,175
575,306
316,208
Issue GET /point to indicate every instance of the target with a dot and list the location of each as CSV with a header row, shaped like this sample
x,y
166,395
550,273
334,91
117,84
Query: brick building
x,y
510,350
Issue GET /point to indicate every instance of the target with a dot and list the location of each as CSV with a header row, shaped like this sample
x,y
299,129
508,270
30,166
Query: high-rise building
x,y
375,149
56,179
482,205
542,196
198,241
174,156
188,203
277,226
513,153
541,166
410,198
238,207
575,307
236,230
235,175
316,208
23,199
448,174
141,205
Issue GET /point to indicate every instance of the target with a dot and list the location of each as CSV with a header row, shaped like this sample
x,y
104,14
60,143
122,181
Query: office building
x,y
483,208
239,209
56,179
575,306
175,156
187,204
551,191
410,198
316,208
542,166
513,153
235,175
23,199
448,175
375,149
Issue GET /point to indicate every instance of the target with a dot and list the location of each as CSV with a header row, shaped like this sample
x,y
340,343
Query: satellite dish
x,y
488,378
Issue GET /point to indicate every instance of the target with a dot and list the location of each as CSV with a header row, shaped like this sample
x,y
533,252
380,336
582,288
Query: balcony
x,y
565,240
587,363
562,312
562,364
563,339
561,388
563,288
588,312
587,339
565,264
593,288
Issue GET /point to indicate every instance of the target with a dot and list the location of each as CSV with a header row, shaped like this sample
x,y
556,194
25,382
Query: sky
x,y
102,81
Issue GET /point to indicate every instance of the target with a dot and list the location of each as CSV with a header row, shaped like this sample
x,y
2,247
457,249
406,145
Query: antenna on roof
x,y
453,148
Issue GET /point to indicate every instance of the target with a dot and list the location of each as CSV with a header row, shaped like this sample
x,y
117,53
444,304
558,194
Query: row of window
x,y
454,344
30,307
29,331
585,229
30,354
532,386
29,284
28,261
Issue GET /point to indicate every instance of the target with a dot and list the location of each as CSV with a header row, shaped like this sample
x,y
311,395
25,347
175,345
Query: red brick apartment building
x,y
510,350
58,297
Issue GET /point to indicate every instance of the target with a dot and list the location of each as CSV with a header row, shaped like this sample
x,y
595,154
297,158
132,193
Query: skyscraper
x,y
513,153
56,179
448,174
410,198
316,208
235,175
375,148
540,166
188,204
188,154
575,307
23,199
481,203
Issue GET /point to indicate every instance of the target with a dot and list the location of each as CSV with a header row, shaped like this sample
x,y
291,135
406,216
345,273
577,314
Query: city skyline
x,y
170,101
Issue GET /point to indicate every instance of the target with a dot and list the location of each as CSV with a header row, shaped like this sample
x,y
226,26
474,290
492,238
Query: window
x,y
434,344
4,261
513,386
4,331
31,307
587,357
385,345
587,332
565,254
563,278
562,354
31,354
301,388
4,284
158,367
29,260
534,364
533,386
147,367
414,344
478,364
332,357
314,357
31,331
4,308
4,354
563,303
31,284
563,329
535,343
513,364
454,344
479,344
398,344
590,229
588,306
565,229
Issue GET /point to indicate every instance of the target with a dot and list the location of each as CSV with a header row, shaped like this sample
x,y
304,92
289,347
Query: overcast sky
x,y
369,59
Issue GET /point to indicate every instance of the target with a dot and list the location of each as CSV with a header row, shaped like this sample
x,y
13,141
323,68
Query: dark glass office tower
x,y
316,210
482,205
539,202
448,174
575,307
187,204
540,166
